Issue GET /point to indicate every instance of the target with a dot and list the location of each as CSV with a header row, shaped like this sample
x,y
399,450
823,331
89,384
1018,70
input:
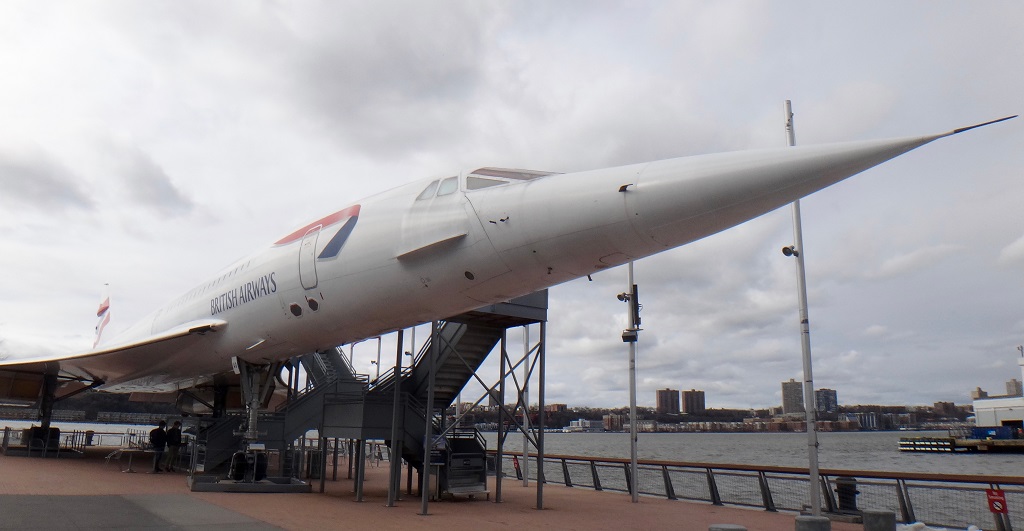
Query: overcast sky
x,y
149,144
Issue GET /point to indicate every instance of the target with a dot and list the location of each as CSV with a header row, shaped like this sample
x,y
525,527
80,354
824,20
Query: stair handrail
x,y
427,344
348,363
387,377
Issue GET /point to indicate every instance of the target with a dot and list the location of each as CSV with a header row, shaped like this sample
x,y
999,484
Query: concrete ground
x,y
88,493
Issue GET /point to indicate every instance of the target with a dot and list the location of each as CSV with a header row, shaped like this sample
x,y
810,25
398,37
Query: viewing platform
x,y
88,494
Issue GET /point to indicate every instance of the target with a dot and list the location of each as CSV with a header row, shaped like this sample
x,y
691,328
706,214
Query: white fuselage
x,y
428,250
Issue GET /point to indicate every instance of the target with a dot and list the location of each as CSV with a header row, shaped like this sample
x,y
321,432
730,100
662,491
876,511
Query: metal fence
x,y
68,441
935,499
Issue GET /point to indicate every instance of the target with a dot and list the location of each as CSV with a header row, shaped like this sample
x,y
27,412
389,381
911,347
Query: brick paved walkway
x,y
102,496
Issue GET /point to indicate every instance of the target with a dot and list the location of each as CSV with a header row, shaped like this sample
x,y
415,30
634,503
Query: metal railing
x,y
71,442
935,499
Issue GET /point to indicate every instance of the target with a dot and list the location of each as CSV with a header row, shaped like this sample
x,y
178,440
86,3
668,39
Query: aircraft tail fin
x,y
102,314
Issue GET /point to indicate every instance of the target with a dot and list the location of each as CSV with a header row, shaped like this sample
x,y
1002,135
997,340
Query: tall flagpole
x,y
805,341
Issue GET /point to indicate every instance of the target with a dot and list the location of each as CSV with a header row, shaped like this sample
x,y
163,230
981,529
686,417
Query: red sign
x,y
996,500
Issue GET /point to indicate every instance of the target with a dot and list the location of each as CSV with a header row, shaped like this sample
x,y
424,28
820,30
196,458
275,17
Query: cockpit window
x,y
448,186
476,183
427,192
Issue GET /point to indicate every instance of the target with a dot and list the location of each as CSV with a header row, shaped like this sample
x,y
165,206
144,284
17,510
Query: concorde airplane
x,y
438,247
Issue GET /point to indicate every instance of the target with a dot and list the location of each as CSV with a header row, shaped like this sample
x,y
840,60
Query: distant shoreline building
x,y
668,401
792,397
693,402
826,400
613,422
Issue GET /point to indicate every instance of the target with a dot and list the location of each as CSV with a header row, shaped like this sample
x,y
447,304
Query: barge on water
x,y
1002,439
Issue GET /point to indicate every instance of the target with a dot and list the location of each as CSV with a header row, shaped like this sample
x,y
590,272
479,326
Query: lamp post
x,y
631,335
797,250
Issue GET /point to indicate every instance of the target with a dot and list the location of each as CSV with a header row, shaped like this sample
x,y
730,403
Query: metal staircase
x,y
343,404
464,343
462,348
327,366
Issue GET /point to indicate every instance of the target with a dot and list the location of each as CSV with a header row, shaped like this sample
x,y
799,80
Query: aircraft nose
x,y
678,201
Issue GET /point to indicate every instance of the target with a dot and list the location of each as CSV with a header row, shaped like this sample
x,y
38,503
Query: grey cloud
x,y
39,181
392,79
1012,253
913,261
149,185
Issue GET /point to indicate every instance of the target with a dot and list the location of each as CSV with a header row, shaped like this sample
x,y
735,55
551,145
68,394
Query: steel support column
x,y
499,455
541,352
395,477
435,349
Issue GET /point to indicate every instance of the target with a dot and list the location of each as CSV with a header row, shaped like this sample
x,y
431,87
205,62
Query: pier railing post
x,y
766,493
670,492
713,488
830,498
629,477
903,495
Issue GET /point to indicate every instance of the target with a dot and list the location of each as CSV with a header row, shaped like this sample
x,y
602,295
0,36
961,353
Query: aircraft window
x,y
476,183
427,192
448,186
518,175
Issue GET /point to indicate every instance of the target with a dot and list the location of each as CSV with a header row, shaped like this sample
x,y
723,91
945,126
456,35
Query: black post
x,y
428,436
541,352
499,454
396,463
360,468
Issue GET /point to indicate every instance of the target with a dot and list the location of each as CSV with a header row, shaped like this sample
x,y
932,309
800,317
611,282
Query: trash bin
x,y
846,493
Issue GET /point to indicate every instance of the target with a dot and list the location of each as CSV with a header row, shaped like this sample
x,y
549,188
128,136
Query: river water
x,y
873,451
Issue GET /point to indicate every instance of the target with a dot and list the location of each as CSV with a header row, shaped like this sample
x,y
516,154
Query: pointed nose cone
x,y
677,201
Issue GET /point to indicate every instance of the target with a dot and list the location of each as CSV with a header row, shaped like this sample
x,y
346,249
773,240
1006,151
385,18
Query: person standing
x,y
158,439
173,445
